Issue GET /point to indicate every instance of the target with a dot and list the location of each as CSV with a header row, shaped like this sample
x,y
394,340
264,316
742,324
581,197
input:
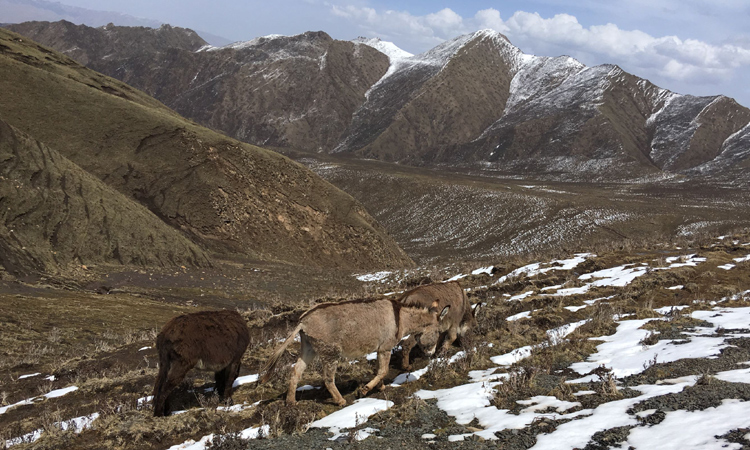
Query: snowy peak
x,y
443,53
393,52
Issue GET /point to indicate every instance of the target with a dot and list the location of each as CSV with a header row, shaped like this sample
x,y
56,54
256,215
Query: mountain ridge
x,y
476,101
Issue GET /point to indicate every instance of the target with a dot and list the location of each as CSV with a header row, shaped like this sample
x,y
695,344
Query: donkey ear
x,y
476,309
444,312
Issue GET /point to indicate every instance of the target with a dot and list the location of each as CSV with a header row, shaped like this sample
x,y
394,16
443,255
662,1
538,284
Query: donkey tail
x,y
274,359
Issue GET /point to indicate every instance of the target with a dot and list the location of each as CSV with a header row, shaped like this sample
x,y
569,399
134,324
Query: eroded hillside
x,y
233,199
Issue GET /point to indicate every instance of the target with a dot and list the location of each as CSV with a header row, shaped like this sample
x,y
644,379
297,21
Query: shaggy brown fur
x,y
210,340
459,320
352,329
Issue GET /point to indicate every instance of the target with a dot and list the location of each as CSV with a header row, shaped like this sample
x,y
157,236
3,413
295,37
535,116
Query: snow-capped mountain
x,y
475,101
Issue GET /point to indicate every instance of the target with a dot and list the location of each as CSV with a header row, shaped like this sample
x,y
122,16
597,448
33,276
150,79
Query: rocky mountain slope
x,y
297,91
233,199
475,101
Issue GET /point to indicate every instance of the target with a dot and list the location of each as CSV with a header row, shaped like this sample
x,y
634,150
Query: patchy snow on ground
x,y
684,261
555,336
353,415
205,441
144,400
483,270
727,318
735,376
29,375
530,270
60,392
513,356
543,402
625,354
521,296
615,276
358,435
51,394
577,433
696,430
521,315
666,310
76,424
377,276
575,308
245,380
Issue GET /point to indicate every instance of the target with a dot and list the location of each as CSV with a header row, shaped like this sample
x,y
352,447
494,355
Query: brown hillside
x,y
54,214
232,198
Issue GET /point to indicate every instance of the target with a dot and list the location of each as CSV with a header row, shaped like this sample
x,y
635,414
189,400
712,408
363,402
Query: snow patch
x,y
354,415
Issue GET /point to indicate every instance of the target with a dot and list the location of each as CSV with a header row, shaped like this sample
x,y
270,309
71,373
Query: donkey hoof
x,y
362,392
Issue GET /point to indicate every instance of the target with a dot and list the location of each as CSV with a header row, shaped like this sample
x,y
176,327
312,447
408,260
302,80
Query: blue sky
x,y
689,46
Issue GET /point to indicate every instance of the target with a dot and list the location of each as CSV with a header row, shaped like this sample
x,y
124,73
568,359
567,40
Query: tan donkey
x,y
460,319
335,331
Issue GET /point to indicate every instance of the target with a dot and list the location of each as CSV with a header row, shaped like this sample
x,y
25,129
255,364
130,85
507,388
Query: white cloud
x,y
665,57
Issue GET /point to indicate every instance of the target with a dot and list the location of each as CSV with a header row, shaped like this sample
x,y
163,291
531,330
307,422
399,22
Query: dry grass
x,y
288,419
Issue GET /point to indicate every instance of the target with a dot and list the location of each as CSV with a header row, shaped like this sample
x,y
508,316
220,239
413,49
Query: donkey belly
x,y
210,366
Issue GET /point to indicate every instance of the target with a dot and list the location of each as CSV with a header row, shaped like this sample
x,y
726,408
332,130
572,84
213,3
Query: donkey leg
x,y
291,393
225,384
329,375
221,380
384,358
176,374
407,345
450,337
232,374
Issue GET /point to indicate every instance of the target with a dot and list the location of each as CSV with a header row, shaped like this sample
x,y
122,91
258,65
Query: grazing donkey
x,y
352,329
210,340
459,320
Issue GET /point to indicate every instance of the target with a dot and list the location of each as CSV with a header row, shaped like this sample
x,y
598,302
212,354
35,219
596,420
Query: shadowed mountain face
x,y
475,101
233,199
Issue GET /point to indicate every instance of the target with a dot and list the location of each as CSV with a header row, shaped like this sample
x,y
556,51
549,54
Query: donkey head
x,y
429,336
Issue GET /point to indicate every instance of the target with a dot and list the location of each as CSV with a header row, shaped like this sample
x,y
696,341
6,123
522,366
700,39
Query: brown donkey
x,y
352,329
210,340
459,320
